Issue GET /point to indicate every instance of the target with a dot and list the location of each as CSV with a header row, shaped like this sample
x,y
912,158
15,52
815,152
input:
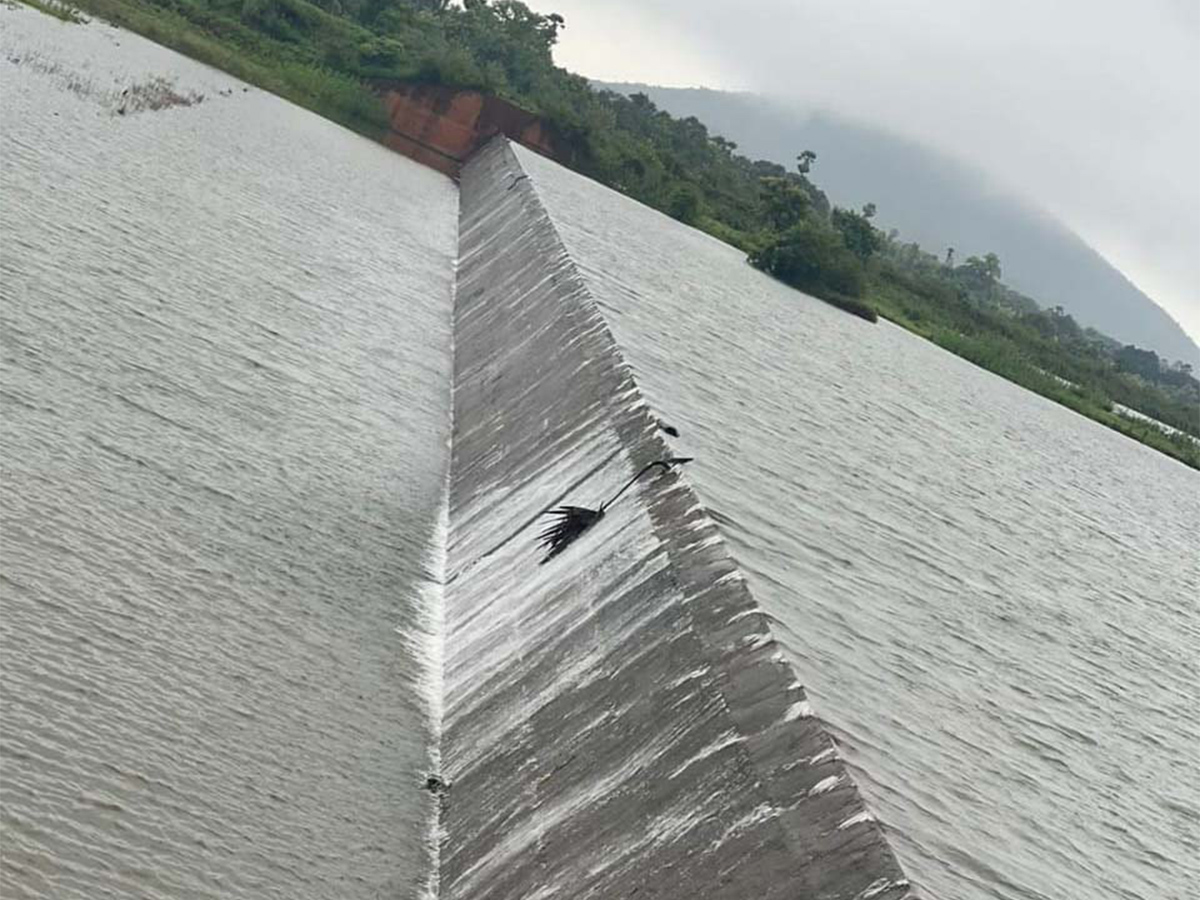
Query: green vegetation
x,y
326,55
63,11
217,34
969,312
815,259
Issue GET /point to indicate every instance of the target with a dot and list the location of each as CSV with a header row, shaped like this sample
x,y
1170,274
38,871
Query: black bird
x,y
572,521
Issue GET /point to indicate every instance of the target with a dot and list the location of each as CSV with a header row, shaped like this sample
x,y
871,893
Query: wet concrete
x,y
618,721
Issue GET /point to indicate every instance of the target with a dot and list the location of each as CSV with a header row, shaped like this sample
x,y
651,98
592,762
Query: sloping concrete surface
x,y
618,721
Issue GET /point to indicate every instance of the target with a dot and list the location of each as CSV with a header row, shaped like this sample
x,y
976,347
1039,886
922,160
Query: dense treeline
x,y
968,304
325,54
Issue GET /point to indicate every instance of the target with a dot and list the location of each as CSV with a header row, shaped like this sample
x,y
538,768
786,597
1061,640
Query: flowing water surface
x,y
225,329
225,407
994,602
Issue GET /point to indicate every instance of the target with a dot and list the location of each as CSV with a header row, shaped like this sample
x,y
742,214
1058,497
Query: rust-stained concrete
x,y
441,127
619,721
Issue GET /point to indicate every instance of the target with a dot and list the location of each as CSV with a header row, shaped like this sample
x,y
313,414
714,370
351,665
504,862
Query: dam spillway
x,y
222,462
619,719
228,660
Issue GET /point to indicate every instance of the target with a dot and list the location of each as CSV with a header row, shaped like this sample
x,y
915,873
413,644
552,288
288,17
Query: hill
x,y
939,203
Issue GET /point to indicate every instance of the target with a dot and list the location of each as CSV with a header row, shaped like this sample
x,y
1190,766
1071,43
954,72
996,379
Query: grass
x,y
864,309
63,11
329,94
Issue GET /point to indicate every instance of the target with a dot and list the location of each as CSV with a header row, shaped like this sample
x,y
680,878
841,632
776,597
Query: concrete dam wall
x,y
618,721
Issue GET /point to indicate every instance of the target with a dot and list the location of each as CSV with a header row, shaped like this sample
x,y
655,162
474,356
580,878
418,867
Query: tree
x,y
1138,361
859,235
804,161
685,204
991,267
726,147
785,203
981,273
813,258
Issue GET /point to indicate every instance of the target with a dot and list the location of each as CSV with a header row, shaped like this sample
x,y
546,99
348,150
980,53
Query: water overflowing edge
x,y
433,608
540,346
432,612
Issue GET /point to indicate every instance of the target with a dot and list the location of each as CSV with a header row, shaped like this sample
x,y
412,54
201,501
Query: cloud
x,y
1090,110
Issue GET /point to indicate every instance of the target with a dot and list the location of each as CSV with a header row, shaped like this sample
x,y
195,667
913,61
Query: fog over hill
x,y
938,202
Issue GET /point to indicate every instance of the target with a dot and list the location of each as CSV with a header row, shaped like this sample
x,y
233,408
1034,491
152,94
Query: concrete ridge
x,y
618,721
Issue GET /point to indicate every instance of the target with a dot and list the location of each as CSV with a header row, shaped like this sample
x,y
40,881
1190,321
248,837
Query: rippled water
x,y
225,409
993,601
225,332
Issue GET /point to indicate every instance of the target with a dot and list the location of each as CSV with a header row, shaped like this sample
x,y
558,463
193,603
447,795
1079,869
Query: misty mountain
x,y
940,203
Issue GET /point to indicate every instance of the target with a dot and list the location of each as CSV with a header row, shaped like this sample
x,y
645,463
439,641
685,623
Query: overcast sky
x,y
1089,108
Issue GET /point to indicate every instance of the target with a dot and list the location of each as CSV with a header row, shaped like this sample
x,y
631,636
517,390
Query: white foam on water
x,y
752,611
432,622
825,785
553,813
429,636
761,813
798,710
667,829
824,755
877,887
756,640
726,740
859,819
689,676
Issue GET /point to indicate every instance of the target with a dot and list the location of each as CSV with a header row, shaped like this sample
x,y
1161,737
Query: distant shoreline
x,y
919,295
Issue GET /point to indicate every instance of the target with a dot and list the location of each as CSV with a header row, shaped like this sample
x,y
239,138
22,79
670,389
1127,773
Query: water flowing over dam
x,y
619,719
281,413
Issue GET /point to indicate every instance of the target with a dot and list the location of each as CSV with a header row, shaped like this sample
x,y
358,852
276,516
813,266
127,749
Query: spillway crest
x,y
618,719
